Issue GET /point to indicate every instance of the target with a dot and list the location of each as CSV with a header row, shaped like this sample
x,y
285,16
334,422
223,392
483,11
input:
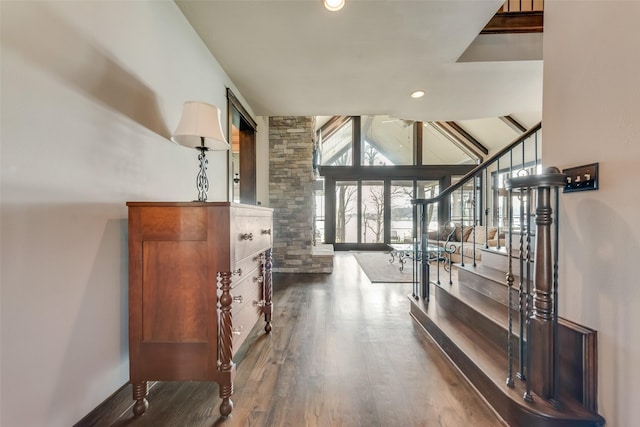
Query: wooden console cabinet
x,y
199,280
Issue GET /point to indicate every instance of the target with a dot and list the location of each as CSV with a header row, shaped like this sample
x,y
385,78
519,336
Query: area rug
x,y
378,269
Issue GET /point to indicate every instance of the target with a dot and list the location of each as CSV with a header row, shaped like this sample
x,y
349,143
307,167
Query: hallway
x,y
343,352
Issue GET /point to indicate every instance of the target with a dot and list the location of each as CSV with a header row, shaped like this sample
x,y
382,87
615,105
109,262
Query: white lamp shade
x,y
200,120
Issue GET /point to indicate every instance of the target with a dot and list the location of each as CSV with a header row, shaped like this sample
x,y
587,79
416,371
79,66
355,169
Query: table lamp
x,y
200,128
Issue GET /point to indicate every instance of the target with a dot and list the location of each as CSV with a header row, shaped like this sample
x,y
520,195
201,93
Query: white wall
x,y
591,113
90,94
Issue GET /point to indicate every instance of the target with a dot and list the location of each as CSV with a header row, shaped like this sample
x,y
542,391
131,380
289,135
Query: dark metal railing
x,y
481,189
535,268
539,343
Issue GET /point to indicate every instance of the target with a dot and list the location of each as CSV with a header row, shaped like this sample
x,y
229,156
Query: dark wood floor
x,y
343,352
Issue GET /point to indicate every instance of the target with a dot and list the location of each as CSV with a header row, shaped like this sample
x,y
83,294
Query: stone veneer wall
x,y
291,196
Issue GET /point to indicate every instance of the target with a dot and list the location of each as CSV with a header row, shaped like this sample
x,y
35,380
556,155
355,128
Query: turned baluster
x,y
225,348
267,290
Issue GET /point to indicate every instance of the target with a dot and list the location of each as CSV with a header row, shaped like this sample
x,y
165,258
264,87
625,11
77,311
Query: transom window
x,y
336,146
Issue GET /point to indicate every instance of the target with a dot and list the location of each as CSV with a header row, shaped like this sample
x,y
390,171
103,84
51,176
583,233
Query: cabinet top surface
x,y
194,204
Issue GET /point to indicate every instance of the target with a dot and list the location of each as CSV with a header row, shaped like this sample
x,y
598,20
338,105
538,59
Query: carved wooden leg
x,y
225,347
227,404
140,391
268,290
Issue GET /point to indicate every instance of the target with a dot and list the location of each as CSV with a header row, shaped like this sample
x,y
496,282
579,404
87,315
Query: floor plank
x,y
342,352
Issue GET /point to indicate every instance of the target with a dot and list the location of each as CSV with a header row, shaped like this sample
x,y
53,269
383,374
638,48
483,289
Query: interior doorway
x,y
242,156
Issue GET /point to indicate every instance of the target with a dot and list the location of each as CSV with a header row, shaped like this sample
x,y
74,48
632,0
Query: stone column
x,y
291,140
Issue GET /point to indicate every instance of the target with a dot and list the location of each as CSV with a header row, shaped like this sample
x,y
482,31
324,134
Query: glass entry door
x,y
372,212
346,215
401,212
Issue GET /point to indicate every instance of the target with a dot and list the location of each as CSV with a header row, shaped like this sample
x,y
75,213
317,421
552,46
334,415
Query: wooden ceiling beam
x,y
467,137
462,139
513,124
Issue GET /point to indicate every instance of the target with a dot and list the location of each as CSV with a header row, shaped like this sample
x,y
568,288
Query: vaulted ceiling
x,y
296,58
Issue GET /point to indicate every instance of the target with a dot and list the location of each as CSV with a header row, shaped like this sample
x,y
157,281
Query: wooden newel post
x,y
540,342
542,318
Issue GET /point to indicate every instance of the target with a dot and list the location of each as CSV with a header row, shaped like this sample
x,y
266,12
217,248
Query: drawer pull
x,y
246,236
238,299
267,231
259,257
260,303
237,272
237,330
258,279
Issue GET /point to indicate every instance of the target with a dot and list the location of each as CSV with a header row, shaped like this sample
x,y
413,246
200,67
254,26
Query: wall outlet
x,y
581,178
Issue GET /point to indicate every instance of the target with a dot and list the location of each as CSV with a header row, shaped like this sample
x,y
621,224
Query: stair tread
x,y
490,359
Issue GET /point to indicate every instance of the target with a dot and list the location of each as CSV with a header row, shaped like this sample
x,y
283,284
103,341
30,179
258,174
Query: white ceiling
x,y
293,57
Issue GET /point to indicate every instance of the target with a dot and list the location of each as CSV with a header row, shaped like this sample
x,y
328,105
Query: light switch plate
x,y
581,178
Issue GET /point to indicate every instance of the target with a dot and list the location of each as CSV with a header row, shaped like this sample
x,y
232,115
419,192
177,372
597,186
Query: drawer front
x,y
243,321
250,234
246,268
245,292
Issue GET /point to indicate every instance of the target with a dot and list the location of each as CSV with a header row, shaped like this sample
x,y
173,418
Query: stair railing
x,y
518,155
536,195
540,312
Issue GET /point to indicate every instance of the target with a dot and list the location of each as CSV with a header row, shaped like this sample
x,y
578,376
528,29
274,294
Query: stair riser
x,y
577,348
514,413
488,329
491,289
499,261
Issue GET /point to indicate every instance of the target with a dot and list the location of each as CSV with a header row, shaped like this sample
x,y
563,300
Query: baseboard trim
x,y
111,409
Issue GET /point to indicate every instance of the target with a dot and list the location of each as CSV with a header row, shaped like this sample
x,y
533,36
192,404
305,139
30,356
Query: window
x,y
386,141
427,190
346,212
372,212
318,194
371,175
463,203
501,214
437,148
401,211
336,146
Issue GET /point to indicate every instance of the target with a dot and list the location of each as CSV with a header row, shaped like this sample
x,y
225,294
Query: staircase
x,y
469,321
498,323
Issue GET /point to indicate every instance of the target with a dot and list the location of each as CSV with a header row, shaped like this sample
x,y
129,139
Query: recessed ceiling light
x,y
417,94
333,5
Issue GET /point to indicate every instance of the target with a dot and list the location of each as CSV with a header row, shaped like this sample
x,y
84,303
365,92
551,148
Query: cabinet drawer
x,y
248,267
251,234
243,322
246,292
